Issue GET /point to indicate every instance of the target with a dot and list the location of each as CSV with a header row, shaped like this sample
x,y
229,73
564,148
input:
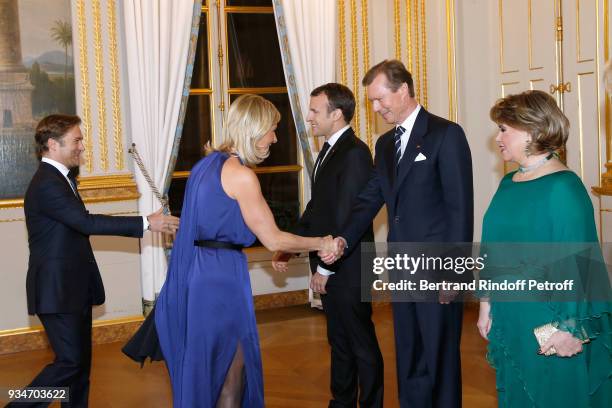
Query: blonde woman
x,y
204,314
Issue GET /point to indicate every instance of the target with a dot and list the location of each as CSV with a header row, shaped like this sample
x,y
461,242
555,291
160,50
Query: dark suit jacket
x,y
63,276
431,200
342,175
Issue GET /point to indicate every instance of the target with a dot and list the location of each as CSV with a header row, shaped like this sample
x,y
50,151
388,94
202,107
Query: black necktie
x,y
399,131
320,158
73,183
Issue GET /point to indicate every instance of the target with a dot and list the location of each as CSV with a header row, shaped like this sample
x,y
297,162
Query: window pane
x,y
284,152
283,196
263,3
196,132
254,54
176,194
200,78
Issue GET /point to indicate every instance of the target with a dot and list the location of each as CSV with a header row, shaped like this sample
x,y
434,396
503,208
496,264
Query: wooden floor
x,y
295,361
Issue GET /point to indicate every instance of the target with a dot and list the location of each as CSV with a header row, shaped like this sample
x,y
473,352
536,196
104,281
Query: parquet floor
x,y
295,361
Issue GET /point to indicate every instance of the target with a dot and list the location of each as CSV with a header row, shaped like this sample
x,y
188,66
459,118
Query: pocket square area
x,y
420,157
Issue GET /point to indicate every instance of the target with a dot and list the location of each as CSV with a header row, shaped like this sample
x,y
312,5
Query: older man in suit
x,y
63,281
423,174
341,171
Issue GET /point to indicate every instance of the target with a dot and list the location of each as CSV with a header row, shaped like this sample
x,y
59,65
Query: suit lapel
x,y
52,170
389,154
414,147
342,140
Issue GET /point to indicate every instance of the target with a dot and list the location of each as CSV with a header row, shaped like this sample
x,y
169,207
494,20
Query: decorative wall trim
x,y
84,71
100,88
109,331
117,187
366,65
115,84
355,63
342,29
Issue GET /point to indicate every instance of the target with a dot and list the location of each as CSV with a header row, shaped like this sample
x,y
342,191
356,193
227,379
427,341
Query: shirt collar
x,y
334,138
63,169
409,122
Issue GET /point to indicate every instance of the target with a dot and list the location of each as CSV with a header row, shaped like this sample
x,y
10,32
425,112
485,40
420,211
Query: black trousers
x,y
70,337
428,359
356,361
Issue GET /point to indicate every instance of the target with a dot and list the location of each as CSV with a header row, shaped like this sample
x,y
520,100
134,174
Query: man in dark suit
x,y
423,173
341,171
63,281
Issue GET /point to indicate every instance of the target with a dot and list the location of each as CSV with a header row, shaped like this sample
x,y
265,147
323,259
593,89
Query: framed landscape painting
x,y
36,79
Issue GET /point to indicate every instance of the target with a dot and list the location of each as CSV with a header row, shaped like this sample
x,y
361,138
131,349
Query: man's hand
x,y
318,282
159,222
329,257
280,260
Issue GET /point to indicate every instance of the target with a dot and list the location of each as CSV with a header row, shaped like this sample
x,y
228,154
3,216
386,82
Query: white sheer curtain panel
x,y
157,44
311,38
311,34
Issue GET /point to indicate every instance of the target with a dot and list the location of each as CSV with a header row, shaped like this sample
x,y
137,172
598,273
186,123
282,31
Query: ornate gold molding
x,y
341,26
83,65
114,187
409,35
417,77
424,101
115,85
398,35
366,65
95,189
100,91
355,62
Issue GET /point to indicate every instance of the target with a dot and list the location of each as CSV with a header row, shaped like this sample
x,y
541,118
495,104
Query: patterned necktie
x,y
320,158
399,131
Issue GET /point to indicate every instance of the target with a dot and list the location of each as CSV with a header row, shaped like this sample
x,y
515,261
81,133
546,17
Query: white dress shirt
x,y
64,170
408,124
331,141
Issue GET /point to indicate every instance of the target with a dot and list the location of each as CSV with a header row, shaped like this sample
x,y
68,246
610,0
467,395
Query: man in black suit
x,y
341,171
63,281
423,173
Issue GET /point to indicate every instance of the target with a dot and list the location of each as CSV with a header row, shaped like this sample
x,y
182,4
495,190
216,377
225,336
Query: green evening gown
x,y
551,209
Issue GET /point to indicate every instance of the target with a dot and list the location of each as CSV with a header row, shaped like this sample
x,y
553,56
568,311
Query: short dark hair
x,y
338,97
536,113
53,127
395,72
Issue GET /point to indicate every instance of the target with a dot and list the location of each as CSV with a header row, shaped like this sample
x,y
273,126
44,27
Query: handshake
x,y
330,250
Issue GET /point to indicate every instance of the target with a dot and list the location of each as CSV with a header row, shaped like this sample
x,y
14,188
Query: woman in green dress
x,y
544,204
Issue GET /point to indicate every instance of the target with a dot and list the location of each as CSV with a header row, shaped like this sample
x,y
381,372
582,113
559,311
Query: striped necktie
x,y
399,131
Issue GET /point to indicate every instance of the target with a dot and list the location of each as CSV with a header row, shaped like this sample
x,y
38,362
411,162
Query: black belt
x,y
217,244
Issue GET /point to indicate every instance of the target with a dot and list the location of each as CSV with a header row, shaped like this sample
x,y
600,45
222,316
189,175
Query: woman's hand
x,y
484,319
565,344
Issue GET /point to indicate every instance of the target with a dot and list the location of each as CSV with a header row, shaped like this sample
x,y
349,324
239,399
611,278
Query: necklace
x,y
536,165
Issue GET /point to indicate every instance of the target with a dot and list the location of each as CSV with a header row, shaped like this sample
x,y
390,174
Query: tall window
x,y
238,53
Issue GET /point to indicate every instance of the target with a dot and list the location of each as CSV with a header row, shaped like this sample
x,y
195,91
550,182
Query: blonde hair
x,y
536,113
249,118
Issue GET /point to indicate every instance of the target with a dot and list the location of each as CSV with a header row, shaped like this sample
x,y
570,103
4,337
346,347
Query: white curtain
x,y
157,43
310,27
311,35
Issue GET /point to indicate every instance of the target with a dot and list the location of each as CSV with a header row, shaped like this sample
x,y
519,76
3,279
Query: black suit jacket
x,y
63,276
342,175
430,200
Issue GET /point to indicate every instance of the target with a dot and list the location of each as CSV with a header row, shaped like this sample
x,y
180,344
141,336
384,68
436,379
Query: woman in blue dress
x,y
204,314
